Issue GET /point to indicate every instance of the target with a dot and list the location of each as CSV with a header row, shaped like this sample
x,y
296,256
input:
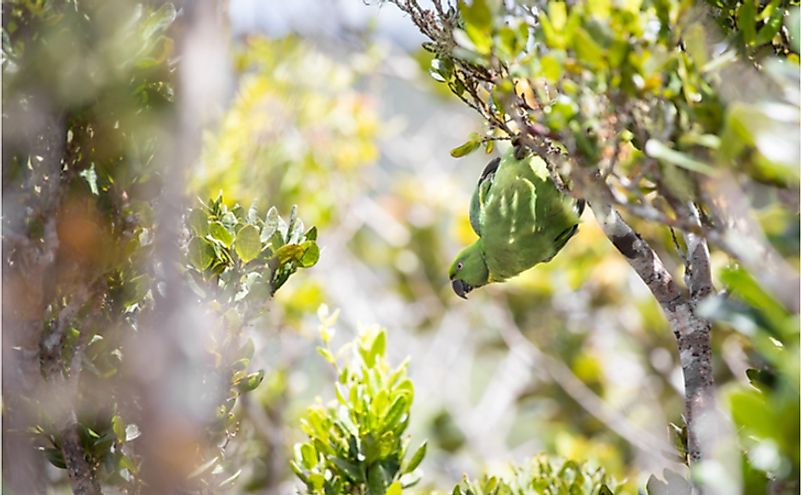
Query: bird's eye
x,y
459,265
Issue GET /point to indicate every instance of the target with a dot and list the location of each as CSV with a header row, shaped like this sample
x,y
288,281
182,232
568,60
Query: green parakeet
x,y
521,219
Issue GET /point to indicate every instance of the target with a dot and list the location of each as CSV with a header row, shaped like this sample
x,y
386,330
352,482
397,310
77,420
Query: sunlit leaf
x,y
466,148
219,232
248,245
251,381
201,253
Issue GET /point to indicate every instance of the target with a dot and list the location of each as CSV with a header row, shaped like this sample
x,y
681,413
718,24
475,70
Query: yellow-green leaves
x,y
557,26
252,257
218,232
200,253
542,474
250,381
357,444
759,27
478,22
468,147
550,67
248,244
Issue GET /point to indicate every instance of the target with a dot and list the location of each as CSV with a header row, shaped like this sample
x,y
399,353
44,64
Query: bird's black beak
x,y
461,288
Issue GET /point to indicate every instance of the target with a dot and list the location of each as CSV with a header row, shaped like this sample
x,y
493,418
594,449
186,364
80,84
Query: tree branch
x,y
698,272
692,333
80,472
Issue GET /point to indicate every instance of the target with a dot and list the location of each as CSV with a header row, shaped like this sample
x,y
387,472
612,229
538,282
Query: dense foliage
x,y
82,180
155,342
649,107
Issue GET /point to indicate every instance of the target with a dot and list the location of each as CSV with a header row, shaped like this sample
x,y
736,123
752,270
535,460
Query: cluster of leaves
x,y
543,476
236,261
631,88
85,103
631,100
299,118
759,27
90,86
356,444
249,256
106,443
302,121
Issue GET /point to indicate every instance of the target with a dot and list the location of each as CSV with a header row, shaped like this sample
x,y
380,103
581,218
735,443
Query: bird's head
x,y
468,270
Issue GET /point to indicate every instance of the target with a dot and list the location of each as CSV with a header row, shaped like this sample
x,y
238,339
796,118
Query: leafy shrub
x,y
247,255
356,444
543,476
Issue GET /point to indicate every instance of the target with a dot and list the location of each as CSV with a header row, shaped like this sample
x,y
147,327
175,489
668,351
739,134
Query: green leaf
x,y
308,455
763,379
772,25
251,381
466,148
56,457
248,245
557,14
417,458
326,354
743,285
289,252
441,69
750,410
395,488
396,411
118,427
201,253
587,50
746,21
379,347
311,234
198,221
311,254
218,232
351,470
551,68
376,484
477,13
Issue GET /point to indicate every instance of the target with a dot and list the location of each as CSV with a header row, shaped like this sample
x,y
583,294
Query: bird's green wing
x,y
524,219
480,194
569,232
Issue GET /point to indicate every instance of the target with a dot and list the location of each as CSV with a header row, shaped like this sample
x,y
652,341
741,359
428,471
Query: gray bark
x,y
692,332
